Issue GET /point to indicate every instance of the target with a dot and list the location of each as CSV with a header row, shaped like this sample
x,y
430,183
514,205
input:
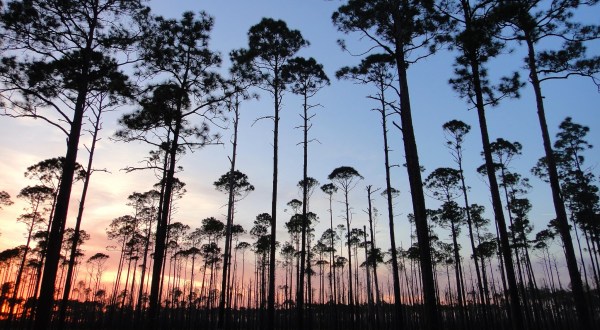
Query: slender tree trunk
x,y
76,233
559,206
321,281
202,289
159,222
166,258
273,239
132,291
233,287
309,283
43,255
430,318
117,284
458,274
332,277
369,286
139,307
350,279
161,231
591,254
230,208
587,232
263,283
300,289
372,243
398,315
243,274
357,291
44,306
126,282
19,277
513,235
484,299
516,316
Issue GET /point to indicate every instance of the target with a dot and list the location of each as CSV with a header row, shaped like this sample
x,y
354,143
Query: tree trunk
x,y
230,208
350,279
430,317
559,206
161,231
44,306
332,277
139,307
273,240
516,316
46,299
19,277
483,296
300,289
372,243
76,234
398,315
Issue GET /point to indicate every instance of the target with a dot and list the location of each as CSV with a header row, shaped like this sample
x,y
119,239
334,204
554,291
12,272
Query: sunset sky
x,y
347,133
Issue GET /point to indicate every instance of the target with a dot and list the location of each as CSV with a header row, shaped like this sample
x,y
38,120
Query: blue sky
x,y
348,133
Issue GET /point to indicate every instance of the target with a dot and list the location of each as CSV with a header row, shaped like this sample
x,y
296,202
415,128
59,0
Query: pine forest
x,y
316,164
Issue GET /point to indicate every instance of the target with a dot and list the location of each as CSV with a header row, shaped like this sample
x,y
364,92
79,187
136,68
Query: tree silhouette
x,y
306,78
443,183
373,256
295,227
236,185
376,70
577,181
346,178
577,187
477,45
103,102
5,199
49,172
176,234
455,131
97,263
194,239
72,241
239,85
503,152
36,198
271,44
534,23
68,52
122,230
330,189
407,31
188,90
148,213
64,62
260,231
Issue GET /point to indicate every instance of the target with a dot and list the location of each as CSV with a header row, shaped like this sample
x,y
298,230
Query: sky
x,y
347,133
